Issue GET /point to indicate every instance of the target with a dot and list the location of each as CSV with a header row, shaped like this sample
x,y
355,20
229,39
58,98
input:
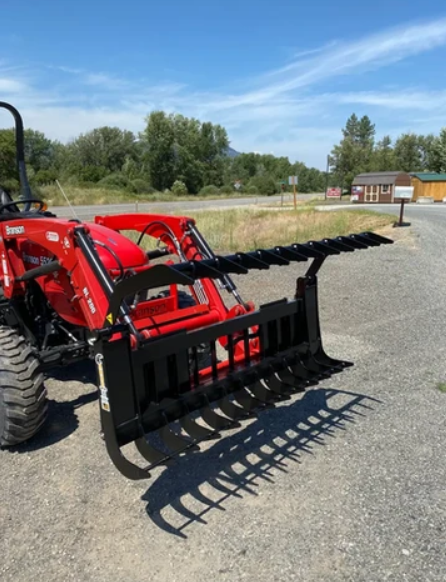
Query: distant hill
x,y
231,152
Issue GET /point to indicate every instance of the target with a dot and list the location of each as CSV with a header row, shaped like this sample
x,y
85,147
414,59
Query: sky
x,y
281,76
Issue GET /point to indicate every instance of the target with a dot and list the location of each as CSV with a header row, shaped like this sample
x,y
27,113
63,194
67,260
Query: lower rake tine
x,y
176,443
275,384
248,402
216,421
263,394
197,432
231,410
151,454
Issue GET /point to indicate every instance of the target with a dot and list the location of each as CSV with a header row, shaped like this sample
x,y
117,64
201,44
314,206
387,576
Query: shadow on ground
x,y
234,465
62,418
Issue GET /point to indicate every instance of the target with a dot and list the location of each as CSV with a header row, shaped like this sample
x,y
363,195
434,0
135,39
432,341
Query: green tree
x,y
8,168
160,154
104,147
383,156
408,155
440,152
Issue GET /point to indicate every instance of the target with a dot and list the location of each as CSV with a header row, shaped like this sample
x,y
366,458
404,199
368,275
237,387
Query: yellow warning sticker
x,y
103,391
109,318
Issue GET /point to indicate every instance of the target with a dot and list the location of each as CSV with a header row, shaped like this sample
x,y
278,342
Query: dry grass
x,y
247,229
85,196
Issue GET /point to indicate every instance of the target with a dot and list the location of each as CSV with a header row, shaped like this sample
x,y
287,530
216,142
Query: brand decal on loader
x,y
151,311
52,236
89,300
103,392
11,230
33,260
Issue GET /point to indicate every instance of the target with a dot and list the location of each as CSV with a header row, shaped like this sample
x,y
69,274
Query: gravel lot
x,y
344,483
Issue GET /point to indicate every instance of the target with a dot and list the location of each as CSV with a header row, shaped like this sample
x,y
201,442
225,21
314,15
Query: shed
x,y
429,185
378,187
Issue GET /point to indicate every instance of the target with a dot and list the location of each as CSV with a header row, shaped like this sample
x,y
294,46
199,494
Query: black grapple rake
x,y
165,383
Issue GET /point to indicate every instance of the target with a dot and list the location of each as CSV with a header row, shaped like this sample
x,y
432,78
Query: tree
x,y
440,152
8,167
408,156
160,139
383,156
105,147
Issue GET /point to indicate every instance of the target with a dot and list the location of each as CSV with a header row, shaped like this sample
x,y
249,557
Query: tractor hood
x,y
128,252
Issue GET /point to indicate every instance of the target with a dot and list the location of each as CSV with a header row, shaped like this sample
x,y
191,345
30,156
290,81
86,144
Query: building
x,y
378,186
429,185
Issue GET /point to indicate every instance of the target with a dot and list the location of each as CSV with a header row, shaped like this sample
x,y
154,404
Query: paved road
x,y
170,207
344,484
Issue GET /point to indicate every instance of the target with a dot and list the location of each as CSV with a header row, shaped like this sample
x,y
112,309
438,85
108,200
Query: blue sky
x,y
281,76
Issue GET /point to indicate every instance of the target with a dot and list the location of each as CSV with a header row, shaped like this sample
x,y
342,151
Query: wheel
x,y
23,402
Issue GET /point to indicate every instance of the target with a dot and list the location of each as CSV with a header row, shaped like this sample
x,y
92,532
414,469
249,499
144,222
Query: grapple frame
x,y
271,353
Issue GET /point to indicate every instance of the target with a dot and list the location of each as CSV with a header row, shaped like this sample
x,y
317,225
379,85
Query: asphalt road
x,y
346,483
85,212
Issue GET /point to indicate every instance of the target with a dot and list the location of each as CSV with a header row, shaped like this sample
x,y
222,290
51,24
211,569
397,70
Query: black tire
x,y
23,401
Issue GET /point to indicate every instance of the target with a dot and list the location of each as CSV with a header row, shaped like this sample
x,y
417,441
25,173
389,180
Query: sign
x,y
357,190
293,180
403,193
334,192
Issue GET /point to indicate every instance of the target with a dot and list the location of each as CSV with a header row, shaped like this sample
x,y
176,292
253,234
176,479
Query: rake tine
x,y
271,258
353,241
176,443
231,410
377,237
151,454
250,262
339,245
275,383
197,432
262,393
248,402
216,421
290,255
300,370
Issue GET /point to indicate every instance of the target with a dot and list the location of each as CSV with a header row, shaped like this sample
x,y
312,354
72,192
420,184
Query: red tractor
x,y
73,290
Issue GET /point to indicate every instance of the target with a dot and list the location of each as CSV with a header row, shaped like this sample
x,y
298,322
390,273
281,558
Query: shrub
x,y
251,189
210,190
116,182
141,186
265,184
43,177
179,188
10,185
91,173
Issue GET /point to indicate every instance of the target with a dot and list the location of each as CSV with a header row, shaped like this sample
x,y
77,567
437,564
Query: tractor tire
x,y
23,399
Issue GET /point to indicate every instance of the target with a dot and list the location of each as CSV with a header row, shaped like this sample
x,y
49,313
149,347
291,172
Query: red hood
x,y
129,253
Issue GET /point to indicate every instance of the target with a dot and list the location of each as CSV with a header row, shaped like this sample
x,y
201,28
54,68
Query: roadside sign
x,y
293,180
403,192
334,192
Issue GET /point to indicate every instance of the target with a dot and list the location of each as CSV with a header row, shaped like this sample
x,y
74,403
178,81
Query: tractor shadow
x,y
235,465
62,419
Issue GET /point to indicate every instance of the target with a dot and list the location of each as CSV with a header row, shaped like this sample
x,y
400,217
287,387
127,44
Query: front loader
x,y
172,356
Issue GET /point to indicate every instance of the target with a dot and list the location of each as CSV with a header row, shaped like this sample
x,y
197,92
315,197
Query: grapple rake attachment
x,y
269,355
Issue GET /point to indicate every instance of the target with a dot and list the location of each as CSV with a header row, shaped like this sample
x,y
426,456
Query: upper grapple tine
x,y
353,241
250,262
290,254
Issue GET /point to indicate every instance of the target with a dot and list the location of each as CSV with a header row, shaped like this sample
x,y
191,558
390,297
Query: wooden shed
x,y
429,185
378,187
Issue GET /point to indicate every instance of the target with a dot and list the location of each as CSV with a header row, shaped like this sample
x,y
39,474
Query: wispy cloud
x,y
287,110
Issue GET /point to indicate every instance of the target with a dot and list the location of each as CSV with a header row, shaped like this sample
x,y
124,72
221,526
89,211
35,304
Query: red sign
x,y
334,192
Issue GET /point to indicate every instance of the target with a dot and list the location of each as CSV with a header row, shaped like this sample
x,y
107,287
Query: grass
x,y
248,229
441,386
79,196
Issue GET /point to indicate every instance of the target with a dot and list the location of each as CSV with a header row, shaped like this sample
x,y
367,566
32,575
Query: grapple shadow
x,y
276,438
62,419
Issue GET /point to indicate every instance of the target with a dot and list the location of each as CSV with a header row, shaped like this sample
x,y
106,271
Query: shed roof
x,y
430,177
372,178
